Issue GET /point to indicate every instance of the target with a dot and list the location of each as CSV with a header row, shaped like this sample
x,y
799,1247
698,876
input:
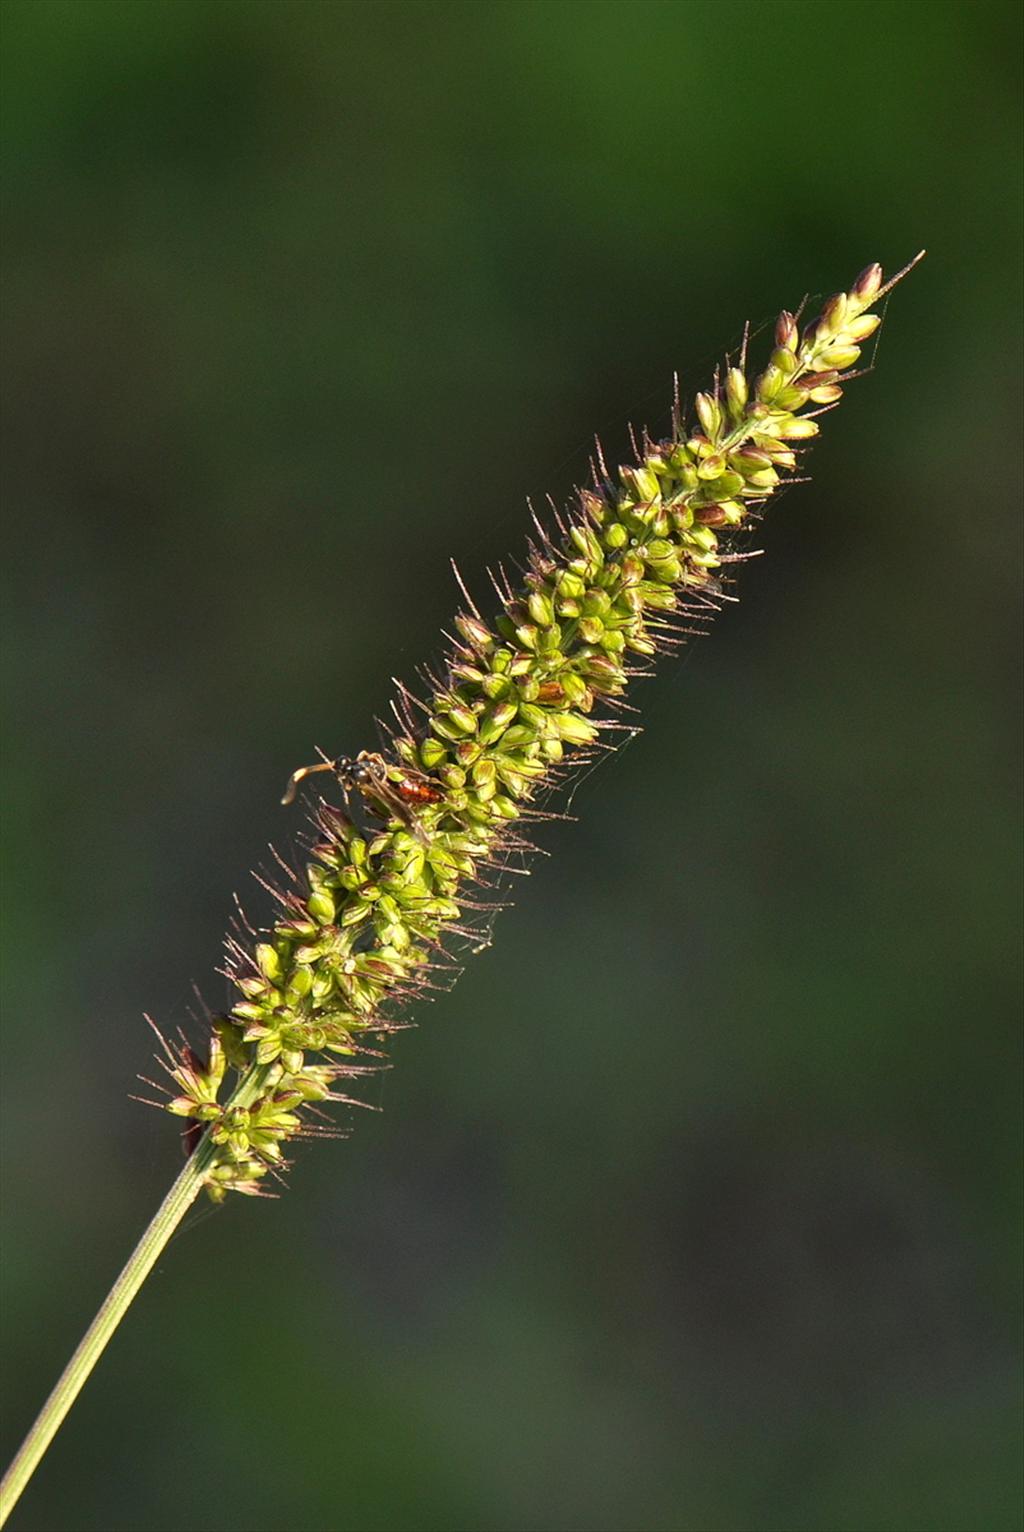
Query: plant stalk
x,y
93,1343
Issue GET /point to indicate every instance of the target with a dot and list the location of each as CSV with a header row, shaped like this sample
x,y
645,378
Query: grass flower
x,y
638,563
405,866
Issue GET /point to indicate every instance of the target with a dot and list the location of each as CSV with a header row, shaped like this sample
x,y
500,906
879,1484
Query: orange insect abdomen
x,y
418,792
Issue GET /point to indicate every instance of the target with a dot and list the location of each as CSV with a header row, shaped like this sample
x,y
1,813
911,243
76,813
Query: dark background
x,y
695,1205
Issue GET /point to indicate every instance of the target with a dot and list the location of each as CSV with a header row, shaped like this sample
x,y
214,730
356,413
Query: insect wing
x,y
388,793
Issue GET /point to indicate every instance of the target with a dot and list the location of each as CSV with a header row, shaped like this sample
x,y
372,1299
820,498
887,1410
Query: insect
x,y
368,774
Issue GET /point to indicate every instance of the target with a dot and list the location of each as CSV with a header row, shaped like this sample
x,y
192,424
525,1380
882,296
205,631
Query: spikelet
x,y
632,568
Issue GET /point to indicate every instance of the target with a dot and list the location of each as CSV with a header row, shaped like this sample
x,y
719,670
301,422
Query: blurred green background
x,y
695,1205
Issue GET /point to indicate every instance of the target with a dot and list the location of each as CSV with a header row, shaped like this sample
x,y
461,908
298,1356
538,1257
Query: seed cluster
x,y
630,569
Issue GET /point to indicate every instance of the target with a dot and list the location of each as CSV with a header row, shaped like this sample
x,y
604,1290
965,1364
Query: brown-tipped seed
x,y
816,379
813,333
476,633
867,284
787,332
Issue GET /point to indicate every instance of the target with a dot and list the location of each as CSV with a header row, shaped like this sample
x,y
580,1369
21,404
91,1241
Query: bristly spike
x,y
438,821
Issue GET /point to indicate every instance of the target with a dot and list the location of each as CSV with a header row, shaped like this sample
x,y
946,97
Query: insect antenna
x,y
300,774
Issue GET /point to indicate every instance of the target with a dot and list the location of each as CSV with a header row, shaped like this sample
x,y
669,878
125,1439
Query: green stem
x,y
141,1262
